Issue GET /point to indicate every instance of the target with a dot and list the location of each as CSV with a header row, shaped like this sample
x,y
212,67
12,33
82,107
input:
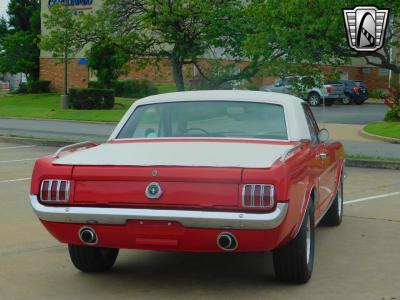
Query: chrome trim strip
x,y
287,152
193,219
77,145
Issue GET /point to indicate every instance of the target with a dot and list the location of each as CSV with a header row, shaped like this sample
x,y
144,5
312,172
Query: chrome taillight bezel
x,y
50,182
262,205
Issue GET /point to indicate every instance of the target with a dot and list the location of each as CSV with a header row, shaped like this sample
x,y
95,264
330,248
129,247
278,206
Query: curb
x,y
379,137
372,164
34,141
62,120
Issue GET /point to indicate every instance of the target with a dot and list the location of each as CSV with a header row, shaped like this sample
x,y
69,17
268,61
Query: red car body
x,y
198,203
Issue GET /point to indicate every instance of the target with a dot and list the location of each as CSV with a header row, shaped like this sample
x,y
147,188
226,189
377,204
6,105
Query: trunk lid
x,y
191,174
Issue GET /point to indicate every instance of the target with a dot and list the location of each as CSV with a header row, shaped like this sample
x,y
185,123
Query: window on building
x,y
383,72
366,71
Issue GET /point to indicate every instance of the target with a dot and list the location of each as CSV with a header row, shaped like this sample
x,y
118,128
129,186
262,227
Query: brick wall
x,y
78,75
51,69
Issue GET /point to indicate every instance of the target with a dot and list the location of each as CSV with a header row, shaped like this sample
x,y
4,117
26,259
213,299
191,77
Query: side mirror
x,y
323,135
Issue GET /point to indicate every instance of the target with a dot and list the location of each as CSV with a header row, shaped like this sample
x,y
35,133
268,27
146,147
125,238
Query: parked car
x,y
315,96
205,171
356,92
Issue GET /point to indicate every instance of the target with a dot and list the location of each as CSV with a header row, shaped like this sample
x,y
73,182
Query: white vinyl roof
x,y
295,120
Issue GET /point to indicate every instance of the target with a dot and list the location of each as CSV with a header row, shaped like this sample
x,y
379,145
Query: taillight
x,y
260,196
54,190
329,89
356,89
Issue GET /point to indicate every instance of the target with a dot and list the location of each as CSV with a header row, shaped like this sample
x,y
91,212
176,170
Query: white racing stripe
x,y
17,147
16,160
371,198
14,180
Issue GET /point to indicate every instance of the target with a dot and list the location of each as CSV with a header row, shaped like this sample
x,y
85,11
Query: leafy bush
x,y
129,88
380,94
392,100
95,85
40,86
22,88
91,98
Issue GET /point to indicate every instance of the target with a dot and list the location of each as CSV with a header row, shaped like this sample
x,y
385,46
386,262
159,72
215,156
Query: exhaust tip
x,y
227,241
88,236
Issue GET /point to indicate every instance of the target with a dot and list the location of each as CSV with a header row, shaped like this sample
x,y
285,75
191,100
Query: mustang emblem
x,y
153,191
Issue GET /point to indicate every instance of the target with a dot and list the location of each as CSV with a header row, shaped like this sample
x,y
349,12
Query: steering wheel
x,y
195,128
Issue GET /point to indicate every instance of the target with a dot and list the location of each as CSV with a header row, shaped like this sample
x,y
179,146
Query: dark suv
x,y
355,91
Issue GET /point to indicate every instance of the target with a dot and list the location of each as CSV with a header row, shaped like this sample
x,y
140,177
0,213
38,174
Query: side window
x,y
312,124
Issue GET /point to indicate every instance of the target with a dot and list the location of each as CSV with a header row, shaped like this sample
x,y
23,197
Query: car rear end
x,y
196,209
200,176
332,91
357,91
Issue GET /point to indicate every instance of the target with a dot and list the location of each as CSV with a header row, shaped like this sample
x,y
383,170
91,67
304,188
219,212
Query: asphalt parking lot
x,y
358,260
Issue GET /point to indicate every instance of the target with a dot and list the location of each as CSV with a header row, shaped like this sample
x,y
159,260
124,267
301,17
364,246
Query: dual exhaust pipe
x,y
226,241
88,236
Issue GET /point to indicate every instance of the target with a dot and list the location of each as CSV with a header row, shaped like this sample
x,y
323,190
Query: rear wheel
x,y
92,259
334,215
294,261
314,99
346,100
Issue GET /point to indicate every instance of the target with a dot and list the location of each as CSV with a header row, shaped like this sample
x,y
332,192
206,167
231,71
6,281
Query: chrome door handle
x,y
323,155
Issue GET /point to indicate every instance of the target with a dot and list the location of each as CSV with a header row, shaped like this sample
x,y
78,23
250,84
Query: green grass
x,y
373,158
382,128
47,106
166,88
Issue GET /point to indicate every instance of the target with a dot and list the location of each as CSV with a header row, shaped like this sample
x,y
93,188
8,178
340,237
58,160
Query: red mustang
x,y
211,171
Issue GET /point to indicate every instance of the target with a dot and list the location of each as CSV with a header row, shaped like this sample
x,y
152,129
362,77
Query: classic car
x,y
205,171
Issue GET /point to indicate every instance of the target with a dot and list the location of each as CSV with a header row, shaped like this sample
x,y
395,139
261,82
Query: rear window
x,y
225,119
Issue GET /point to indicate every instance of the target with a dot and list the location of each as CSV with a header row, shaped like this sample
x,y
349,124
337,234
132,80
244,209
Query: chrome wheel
x,y
346,100
308,240
340,199
314,99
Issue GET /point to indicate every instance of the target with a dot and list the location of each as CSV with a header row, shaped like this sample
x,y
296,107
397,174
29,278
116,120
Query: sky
x,y
3,7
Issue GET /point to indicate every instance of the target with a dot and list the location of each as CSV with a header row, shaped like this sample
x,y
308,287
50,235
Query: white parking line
x,y
14,180
16,160
371,198
17,147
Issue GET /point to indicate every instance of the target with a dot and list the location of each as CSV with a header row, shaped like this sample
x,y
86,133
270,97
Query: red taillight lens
x,y
356,89
54,190
329,89
258,196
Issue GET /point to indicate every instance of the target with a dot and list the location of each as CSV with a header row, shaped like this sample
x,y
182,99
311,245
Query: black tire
x,y
359,102
293,263
92,259
314,99
334,215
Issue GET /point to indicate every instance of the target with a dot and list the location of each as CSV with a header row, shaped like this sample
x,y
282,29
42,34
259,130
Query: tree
x,y
3,27
108,61
311,35
18,39
21,12
182,31
19,53
62,39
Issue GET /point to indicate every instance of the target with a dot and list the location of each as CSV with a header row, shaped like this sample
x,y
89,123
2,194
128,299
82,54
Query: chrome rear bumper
x,y
188,218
